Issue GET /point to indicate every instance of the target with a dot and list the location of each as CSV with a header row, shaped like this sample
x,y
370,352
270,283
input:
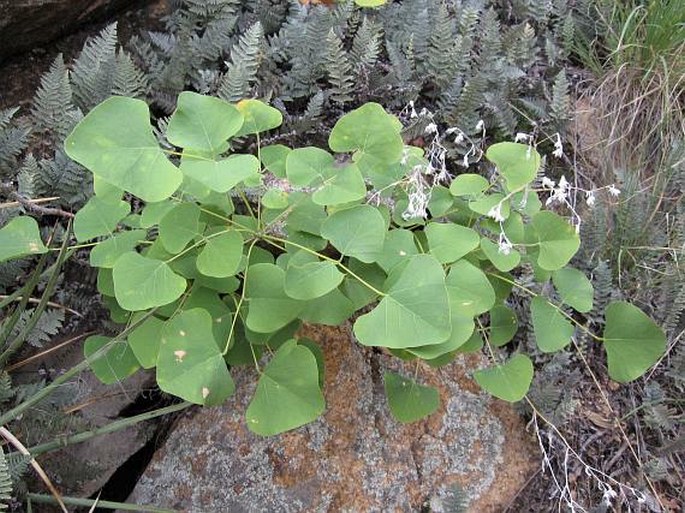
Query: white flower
x,y
614,191
563,184
465,161
496,213
480,125
548,183
521,137
431,128
459,138
558,148
504,246
413,113
590,199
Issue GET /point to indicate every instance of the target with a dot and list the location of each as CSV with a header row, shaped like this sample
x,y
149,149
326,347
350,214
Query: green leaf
x,y
259,117
304,165
552,330
105,283
288,393
141,283
469,289
574,288
415,310
440,202
270,308
221,175
358,232
115,141
221,255
462,329
275,198
333,309
468,184
20,237
114,364
557,240
106,253
359,293
154,212
179,226
311,280
203,123
510,381
99,217
517,163
371,134
450,242
145,339
503,325
408,400
274,159
501,261
485,204
399,246
343,184
189,364
632,340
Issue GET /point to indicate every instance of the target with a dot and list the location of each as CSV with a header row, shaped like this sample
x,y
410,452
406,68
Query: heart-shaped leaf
x,y
632,340
342,184
203,123
20,237
107,252
450,242
509,381
503,325
552,330
504,261
557,240
259,117
305,165
274,159
221,175
179,226
358,232
468,184
221,255
288,394
574,288
99,217
415,310
270,308
145,340
517,163
114,364
408,400
115,141
469,289
399,246
189,364
311,280
141,283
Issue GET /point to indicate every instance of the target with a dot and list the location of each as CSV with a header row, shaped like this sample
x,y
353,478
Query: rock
x,y
27,23
356,458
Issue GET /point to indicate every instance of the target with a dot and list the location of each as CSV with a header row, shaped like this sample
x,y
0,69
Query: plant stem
x,y
40,498
112,427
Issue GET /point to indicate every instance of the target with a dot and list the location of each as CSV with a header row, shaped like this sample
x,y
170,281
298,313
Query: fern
x,y
366,45
560,105
339,70
94,69
13,140
441,60
5,481
53,111
48,325
128,80
242,70
62,177
6,390
602,283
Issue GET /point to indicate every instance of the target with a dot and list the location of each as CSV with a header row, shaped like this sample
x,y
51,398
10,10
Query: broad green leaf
x,y
275,198
517,163
343,184
106,253
305,215
115,141
469,289
270,308
114,364
557,239
502,261
462,329
288,393
318,354
370,3
415,310
274,158
311,280
154,212
450,242
179,226
259,117
408,400
440,202
371,133
472,345
304,165
99,217
222,316
141,283
468,184
552,330
359,293
333,309
358,232
399,246
105,283
632,340
221,175
189,364
203,123
106,191
503,325
221,255
20,237
145,340
574,288
485,204
510,381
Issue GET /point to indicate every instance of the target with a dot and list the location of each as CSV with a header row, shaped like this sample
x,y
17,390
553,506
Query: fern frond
x,y
6,115
27,177
441,61
245,59
339,70
52,110
128,79
6,390
62,177
560,106
366,45
94,69
5,481
13,140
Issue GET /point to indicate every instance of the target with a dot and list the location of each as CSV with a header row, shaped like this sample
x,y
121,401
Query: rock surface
x,y
354,459
27,23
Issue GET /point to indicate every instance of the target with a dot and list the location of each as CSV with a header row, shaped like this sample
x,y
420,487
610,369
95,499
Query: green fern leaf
x,y
246,56
339,70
